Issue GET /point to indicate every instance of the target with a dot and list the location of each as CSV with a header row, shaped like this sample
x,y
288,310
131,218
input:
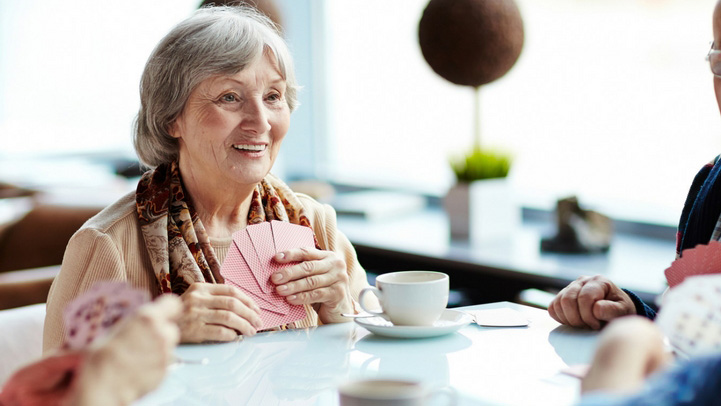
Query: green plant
x,y
479,164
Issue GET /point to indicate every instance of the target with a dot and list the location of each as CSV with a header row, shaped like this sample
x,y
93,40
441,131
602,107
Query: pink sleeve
x,y
49,381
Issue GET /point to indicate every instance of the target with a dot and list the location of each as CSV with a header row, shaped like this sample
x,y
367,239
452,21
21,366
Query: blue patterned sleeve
x,y
642,309
696,382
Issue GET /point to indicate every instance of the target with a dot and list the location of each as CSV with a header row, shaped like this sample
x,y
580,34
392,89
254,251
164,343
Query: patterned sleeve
x,y
642,309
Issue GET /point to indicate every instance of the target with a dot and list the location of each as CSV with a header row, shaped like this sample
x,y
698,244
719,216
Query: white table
x,y
486,366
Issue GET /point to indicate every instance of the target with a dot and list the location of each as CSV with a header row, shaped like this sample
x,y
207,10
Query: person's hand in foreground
x,y
216,312
319,279
113,370
629,349
589,302
132,360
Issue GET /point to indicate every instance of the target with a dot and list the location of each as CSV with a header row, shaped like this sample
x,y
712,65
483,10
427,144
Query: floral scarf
x,y
178,245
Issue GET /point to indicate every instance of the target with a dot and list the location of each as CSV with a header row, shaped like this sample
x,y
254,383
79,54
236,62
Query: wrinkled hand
x,y
319,279
132,360
214,312
590,301
628,351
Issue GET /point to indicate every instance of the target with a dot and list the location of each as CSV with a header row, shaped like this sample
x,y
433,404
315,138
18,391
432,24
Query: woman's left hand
x,y
319,279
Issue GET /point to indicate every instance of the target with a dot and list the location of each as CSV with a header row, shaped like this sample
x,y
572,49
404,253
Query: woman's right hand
x,y
215,312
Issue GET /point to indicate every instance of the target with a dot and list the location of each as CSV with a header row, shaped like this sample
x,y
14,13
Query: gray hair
x,y
213,41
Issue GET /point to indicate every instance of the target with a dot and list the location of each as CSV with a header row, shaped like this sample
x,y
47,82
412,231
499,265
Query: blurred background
x,y
610,100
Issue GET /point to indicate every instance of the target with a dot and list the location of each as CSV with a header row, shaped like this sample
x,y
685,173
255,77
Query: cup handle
x,y
375,291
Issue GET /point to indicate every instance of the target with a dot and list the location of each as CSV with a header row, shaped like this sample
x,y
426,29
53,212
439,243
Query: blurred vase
x,y
482,210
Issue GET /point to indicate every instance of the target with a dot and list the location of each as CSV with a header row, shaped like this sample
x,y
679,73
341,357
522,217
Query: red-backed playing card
x,y
289,236
250,263
236,270
700,260
247,249
262,238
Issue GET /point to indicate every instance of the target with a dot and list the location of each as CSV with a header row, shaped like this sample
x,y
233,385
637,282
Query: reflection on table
x,y
505,366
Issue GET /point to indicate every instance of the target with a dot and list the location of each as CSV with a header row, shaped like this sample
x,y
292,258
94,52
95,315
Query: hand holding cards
x,y
92,314
250,264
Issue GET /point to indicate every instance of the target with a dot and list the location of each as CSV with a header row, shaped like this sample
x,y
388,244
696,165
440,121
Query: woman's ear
x,y
174,128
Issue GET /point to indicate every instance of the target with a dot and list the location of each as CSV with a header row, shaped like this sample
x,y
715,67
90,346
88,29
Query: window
x,y
69,71
610,100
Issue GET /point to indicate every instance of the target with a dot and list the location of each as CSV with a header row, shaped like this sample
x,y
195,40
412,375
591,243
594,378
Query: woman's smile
x,y
251,150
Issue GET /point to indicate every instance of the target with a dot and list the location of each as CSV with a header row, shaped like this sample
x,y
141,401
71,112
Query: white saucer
x,y
449,322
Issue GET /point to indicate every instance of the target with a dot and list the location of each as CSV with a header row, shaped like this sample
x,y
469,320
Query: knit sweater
x,y
110,247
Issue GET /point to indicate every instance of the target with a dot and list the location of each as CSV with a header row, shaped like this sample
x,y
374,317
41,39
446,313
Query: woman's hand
x,y
214,312
320,279
589,301
133,359
628,351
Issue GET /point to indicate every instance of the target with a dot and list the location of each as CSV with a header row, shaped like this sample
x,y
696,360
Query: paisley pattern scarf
x,y
178,245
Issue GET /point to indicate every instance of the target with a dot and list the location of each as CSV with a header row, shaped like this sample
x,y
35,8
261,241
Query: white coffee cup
x,y
382,392
410,298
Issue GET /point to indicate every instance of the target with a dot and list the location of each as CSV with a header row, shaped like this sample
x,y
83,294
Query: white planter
x,y
482,210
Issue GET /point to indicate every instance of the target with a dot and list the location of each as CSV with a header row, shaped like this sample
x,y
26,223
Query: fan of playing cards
x,y
691,315
250,263
700,260
92,314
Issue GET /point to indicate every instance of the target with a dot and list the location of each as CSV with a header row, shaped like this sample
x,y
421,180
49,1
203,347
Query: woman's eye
x,y
229,98
274,97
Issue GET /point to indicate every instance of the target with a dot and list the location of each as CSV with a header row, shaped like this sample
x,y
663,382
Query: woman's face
x,y
232,126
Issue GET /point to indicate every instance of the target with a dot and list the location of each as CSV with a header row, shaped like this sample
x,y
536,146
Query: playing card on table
x,y
577,370
92,314
499,318
700,260
251,262
690,315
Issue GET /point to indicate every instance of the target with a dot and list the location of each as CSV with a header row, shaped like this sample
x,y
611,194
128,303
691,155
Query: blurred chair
x,y
26,287
36,240
21,341
40,237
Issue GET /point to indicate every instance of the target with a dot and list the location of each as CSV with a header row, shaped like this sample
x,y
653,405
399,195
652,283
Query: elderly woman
x,y
216,97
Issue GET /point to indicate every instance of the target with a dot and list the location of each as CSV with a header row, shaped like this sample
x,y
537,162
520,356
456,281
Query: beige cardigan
x,y
110,247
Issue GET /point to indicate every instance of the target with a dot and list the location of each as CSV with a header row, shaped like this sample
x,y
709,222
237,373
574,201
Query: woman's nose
x,y
255,117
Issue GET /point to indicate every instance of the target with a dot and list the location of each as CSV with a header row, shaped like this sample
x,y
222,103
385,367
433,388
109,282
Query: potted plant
x,y
473,43
481,198
480,164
